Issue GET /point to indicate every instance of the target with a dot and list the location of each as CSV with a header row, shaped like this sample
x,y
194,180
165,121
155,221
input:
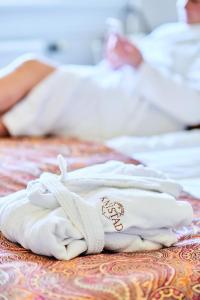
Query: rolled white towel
x,y
111,206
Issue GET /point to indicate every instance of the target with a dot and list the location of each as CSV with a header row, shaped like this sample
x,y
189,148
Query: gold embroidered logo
x,y
113,211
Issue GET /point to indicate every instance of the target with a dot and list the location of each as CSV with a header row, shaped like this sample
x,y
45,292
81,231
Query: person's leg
x,y
19,78
3,130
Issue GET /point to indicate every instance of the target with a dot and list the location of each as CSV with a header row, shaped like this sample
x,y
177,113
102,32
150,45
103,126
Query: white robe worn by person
x,y
113,206
163,95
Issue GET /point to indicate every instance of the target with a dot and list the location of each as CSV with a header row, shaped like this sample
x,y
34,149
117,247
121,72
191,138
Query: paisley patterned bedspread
x,y
171,273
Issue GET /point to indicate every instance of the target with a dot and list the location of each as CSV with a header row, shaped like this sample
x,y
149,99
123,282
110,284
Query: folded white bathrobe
x,y
111,206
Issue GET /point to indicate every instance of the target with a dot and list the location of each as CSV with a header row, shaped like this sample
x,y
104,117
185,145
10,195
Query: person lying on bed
x,y
148,89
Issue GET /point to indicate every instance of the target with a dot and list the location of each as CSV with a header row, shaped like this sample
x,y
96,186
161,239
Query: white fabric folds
x,y
112,206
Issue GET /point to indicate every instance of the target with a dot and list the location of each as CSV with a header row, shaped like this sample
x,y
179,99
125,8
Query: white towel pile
x,y
113,206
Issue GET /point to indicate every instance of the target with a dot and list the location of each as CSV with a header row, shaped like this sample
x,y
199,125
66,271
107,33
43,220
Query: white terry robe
x,y
111,206
163,95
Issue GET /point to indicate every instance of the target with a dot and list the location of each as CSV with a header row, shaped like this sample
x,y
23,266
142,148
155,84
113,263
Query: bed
x,y
170,273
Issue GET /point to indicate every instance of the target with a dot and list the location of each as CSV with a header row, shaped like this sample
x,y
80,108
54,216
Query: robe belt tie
x,y
82,214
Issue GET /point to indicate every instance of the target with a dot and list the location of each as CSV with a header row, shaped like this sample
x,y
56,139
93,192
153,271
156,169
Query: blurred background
x,y
72,31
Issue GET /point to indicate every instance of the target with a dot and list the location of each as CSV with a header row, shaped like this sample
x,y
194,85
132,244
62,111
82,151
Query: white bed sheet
x,y
176,154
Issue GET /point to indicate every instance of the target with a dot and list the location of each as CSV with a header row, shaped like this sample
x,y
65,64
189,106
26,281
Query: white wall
x,y
70,25
159,11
